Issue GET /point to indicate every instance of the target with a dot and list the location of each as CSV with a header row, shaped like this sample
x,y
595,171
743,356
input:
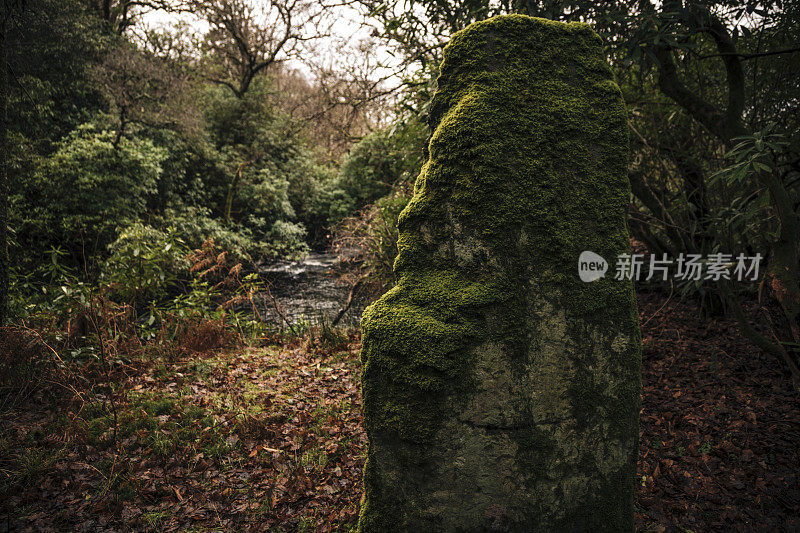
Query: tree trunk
x,y
232,192
4,185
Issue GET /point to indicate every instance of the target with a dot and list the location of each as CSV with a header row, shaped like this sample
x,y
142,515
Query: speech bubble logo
x,y
591,266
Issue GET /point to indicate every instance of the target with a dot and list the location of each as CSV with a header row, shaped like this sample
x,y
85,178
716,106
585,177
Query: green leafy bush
x,y
194,225
144,264
269,177
379,162
90,187
287,239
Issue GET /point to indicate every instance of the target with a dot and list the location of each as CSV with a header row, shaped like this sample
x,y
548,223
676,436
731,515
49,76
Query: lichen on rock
x,y
501,393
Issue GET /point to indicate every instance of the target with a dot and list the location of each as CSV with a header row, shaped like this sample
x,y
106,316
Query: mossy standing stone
x,y
501,393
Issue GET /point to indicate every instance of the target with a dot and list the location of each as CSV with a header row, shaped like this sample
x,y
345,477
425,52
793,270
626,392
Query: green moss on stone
x,y
499,390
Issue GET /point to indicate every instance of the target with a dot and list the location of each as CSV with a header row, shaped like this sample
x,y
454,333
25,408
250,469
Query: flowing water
x,y
307,290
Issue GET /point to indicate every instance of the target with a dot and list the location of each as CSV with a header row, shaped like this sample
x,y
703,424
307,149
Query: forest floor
x,y
269,438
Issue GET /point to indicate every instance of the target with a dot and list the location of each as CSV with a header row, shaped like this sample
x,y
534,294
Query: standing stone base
x,y
501,393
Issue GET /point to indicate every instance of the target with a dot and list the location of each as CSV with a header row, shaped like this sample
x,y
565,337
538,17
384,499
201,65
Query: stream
x,y
308,290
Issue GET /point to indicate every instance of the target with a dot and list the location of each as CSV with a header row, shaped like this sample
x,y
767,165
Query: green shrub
x,y
194,225
381,161
144,263
89,188
287,239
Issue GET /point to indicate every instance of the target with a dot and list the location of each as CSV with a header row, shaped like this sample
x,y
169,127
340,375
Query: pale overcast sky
x,y
347,29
